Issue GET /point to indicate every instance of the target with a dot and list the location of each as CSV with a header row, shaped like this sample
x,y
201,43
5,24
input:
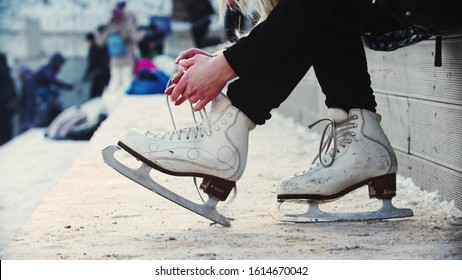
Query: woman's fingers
x,y
189,53
201,105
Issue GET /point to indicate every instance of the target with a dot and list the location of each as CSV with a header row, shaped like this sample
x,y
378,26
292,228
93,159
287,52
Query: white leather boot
x,y
215,150
361,154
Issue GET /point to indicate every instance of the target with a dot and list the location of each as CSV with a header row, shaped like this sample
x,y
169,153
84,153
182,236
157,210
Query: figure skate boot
x,y
360,155
215,150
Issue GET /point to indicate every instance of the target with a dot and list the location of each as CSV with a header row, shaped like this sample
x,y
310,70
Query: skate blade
x,y
315,215
142,177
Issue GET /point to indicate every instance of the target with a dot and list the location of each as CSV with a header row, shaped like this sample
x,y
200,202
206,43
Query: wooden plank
x,y
395,119
431,177
435,133
423,128
411,72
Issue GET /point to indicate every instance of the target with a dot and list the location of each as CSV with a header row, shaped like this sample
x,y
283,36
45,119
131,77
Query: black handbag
x,y
423,18
432,17
393,40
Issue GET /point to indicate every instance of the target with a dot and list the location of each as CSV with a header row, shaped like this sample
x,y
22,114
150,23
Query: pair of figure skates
x,y
355,153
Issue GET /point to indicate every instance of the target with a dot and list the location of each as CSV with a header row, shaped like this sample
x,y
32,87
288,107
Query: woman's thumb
x,y
184,63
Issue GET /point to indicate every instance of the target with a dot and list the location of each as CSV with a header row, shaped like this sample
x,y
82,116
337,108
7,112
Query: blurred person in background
x,y
152,43
200,12
97,71
8,101
26,98
121,37
45,86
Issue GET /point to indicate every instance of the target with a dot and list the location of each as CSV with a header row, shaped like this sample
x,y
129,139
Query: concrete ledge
x,y
95,213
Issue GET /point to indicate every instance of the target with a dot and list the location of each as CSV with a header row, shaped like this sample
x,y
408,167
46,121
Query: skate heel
x,y
217,187
382,187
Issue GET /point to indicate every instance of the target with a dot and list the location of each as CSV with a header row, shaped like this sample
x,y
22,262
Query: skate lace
x,y
337,131
199,130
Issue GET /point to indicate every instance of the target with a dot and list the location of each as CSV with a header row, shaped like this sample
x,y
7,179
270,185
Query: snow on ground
x,y
30,165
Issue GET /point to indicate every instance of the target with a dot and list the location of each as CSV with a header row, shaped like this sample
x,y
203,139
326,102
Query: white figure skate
x,y
215,150
361,155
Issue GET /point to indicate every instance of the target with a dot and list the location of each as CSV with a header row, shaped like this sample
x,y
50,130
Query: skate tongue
x,y
219,104
337,114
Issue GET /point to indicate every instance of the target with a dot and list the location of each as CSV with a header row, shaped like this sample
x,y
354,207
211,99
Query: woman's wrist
x,y
226,71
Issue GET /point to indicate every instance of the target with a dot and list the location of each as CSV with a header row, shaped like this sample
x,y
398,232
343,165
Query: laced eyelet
x,y
198,130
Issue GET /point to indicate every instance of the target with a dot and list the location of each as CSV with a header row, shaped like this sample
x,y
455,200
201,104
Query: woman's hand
x,y
180,69
187,54
200,78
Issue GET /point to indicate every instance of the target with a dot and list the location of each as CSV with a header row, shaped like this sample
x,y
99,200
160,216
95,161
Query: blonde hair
x,y
257,9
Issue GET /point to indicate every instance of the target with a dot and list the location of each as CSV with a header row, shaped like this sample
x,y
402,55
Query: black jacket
x,y
47,75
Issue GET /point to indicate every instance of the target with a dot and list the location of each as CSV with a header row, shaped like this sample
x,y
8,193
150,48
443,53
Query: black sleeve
x,y
49,76
285,31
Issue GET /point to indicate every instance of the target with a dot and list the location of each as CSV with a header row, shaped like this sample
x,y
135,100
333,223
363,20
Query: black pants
x,y
338,59
98,84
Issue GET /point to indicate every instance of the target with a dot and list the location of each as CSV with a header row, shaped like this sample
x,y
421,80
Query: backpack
x,y
116,45
64,122
77,122
148,81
